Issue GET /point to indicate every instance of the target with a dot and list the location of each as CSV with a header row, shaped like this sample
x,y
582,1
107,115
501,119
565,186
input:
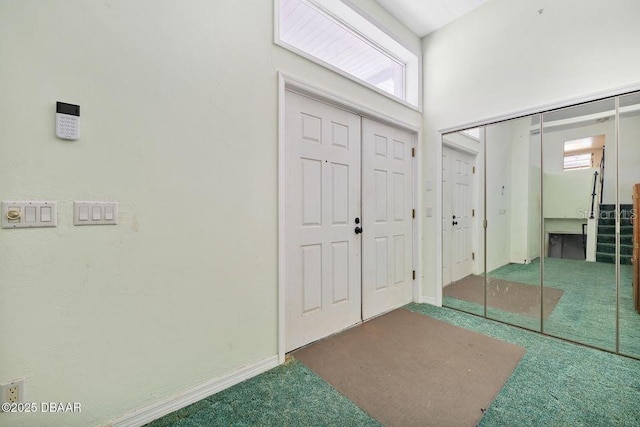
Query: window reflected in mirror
x,y
583,153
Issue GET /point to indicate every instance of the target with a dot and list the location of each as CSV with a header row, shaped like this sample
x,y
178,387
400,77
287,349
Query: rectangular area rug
x,y
407,369
513,297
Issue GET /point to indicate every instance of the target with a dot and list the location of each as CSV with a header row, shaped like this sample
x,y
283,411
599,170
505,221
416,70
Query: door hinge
x,y
414,275
473,169
473,212
413,213
413,151
484,223
473,256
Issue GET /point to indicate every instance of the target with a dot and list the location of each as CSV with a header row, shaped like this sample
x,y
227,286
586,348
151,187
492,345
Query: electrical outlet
x,y
12,392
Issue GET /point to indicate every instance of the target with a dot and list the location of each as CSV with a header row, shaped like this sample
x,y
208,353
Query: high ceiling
x,y
426,16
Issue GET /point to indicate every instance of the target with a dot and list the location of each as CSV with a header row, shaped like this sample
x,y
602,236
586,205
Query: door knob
x,y
455,223
358,230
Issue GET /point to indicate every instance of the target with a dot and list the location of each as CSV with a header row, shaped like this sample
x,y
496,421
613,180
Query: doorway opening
x,y
348,232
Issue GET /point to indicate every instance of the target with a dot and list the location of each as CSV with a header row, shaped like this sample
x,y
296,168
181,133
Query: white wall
x,y
568,194
512,194
629,157
506,57
628,160
378,15
535,196
525,190
574,187
498,194
179,125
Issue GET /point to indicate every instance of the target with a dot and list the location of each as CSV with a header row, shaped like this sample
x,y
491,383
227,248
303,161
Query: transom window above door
x,y
333,35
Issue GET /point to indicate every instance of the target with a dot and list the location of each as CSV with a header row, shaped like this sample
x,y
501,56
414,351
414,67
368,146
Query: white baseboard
x,y
145,415
428,300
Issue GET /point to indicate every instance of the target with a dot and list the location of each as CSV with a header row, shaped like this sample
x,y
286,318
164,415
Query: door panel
x,y
457,215
462,202
322,172
462,278
387,220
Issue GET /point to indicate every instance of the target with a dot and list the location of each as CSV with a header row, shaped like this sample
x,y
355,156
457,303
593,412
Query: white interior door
x,y
457,214
322,176
387,218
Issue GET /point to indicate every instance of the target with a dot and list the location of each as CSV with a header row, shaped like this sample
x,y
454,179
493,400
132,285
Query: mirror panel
x,y
579,201
513,195
553,188
629,184
462,233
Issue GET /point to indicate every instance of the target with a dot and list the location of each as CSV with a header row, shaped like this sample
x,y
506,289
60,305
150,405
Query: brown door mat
x,y
513,297
407,369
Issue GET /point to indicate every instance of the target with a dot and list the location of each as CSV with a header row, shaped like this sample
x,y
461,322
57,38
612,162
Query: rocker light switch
x,y
83,213
30,214
45,214
95,213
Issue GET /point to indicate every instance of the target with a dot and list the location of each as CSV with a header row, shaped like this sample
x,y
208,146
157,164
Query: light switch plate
x,y
95,213
29,214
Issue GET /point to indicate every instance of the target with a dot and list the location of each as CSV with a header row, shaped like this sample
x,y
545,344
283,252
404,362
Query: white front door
x,y
387,218
322,176
457,214
334,276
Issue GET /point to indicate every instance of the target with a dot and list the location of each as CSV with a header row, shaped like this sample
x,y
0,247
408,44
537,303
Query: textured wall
x,y
179,125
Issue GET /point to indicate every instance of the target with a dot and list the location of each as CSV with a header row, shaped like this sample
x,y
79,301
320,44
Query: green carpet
x,y
289,395
556,384
585,313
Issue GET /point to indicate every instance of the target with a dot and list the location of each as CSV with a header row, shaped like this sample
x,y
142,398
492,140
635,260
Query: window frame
x,y
410,84
594,153
574,168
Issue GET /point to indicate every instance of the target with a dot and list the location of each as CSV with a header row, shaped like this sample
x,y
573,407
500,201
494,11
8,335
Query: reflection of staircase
x,y
606,250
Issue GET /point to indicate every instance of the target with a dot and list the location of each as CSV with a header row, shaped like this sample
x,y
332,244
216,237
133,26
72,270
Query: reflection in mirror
x,y
462,243
629,198
579,187
513,222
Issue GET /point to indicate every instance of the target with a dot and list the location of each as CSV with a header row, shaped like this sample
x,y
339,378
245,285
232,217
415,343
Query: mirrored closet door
x,y
513,222
552,233
579,182
629,238
462,214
